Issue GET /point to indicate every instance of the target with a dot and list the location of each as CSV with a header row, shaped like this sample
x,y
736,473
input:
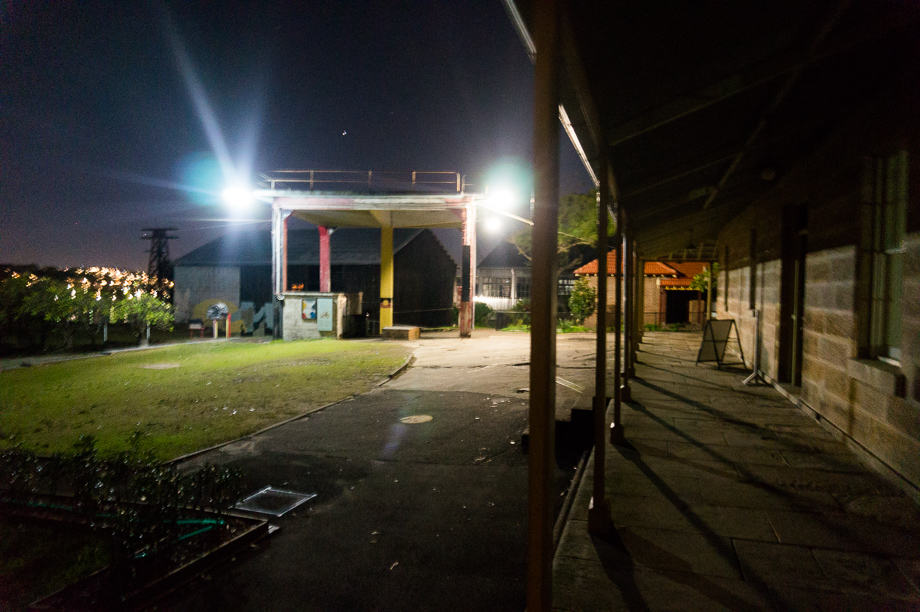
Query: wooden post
x,y
541,456
616,428
708,293
599,522
468,273
628,286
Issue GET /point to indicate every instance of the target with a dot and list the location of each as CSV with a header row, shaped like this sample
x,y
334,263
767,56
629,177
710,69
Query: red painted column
x,y
325,270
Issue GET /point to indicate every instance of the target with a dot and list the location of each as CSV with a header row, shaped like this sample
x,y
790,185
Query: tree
x,y
700,281
142,311
68,307
577,232
582,300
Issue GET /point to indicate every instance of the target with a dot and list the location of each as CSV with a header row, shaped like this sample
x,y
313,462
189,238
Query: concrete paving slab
x,y
807,479
778,563
731,454
841,462
580,586
777,513
682,551
869,574
844,532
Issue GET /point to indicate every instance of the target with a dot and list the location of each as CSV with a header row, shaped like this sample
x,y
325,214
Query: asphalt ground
x,y
411,513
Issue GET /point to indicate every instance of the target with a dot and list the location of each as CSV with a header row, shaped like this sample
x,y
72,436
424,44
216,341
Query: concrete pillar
x,y
325,268
542,412
279,267
386,277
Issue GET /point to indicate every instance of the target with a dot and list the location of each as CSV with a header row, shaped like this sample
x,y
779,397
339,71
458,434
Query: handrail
x,y
368,179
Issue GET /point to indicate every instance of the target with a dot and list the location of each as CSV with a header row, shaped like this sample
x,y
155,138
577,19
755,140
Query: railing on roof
x,y
366,180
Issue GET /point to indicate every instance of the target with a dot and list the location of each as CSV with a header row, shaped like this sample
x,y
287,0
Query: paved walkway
x,y
729,497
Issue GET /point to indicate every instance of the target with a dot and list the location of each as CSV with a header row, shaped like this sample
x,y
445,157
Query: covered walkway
x,y
727,496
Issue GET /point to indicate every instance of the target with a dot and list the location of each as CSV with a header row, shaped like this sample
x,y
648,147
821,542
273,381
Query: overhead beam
x,y
741,82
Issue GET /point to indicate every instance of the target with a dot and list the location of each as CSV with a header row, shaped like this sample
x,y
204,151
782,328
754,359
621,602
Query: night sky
x,y
101,136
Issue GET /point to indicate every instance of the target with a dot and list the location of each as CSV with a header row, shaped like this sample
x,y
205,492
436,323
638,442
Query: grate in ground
x,y
276,502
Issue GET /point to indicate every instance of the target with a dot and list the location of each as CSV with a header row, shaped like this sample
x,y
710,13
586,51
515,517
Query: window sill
x,y
884,377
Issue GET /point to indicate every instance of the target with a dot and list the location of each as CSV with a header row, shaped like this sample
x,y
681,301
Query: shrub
x,y
481,314
137,501
582,300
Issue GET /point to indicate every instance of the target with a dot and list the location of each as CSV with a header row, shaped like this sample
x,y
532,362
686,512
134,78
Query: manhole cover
x,y
276,502
160,366
416,418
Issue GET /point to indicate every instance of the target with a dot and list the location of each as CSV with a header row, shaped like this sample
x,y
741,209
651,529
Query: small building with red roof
x,y
668,297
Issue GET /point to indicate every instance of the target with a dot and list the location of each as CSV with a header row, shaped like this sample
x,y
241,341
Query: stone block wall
x,y
196,284
830,337
874,403
737,283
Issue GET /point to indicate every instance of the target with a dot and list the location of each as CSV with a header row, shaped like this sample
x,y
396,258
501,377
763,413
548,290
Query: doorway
x,y
792,293
677,306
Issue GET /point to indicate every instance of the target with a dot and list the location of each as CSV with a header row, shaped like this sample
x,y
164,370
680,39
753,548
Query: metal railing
x,y
366,180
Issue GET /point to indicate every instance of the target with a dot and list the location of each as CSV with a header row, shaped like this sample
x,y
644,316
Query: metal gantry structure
x,y
158,264
331,199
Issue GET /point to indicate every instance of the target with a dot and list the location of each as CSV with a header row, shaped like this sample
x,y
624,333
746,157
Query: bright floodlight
x,y
493,224
237,196
501,198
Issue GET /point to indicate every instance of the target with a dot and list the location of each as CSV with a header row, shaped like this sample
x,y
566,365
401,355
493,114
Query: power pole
x,y
158,265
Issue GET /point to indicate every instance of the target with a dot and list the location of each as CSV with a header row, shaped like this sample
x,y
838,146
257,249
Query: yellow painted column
x,y
386,277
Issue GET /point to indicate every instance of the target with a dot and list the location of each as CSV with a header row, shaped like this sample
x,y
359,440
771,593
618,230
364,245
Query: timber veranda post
x,y
543,300
616,428
599,522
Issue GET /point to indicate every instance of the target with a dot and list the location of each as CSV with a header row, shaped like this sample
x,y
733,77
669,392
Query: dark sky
x,y
100,135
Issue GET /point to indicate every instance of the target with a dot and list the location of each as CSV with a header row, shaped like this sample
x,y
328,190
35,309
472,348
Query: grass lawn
x,y
183,397
36,560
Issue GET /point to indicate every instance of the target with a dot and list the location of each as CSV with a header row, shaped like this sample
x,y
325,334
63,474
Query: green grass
x,y
218,392
562,327
38,559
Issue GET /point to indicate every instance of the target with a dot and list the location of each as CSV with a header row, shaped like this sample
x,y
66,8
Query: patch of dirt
x,y
160,366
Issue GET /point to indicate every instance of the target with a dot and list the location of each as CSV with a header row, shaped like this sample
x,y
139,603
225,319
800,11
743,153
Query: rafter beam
x,y
826,28
741,82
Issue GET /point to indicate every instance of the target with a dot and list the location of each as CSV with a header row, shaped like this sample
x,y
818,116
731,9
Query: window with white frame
x,y
886,194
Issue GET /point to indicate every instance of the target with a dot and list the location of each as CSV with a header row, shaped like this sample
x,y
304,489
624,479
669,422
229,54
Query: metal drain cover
x,y
276,502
